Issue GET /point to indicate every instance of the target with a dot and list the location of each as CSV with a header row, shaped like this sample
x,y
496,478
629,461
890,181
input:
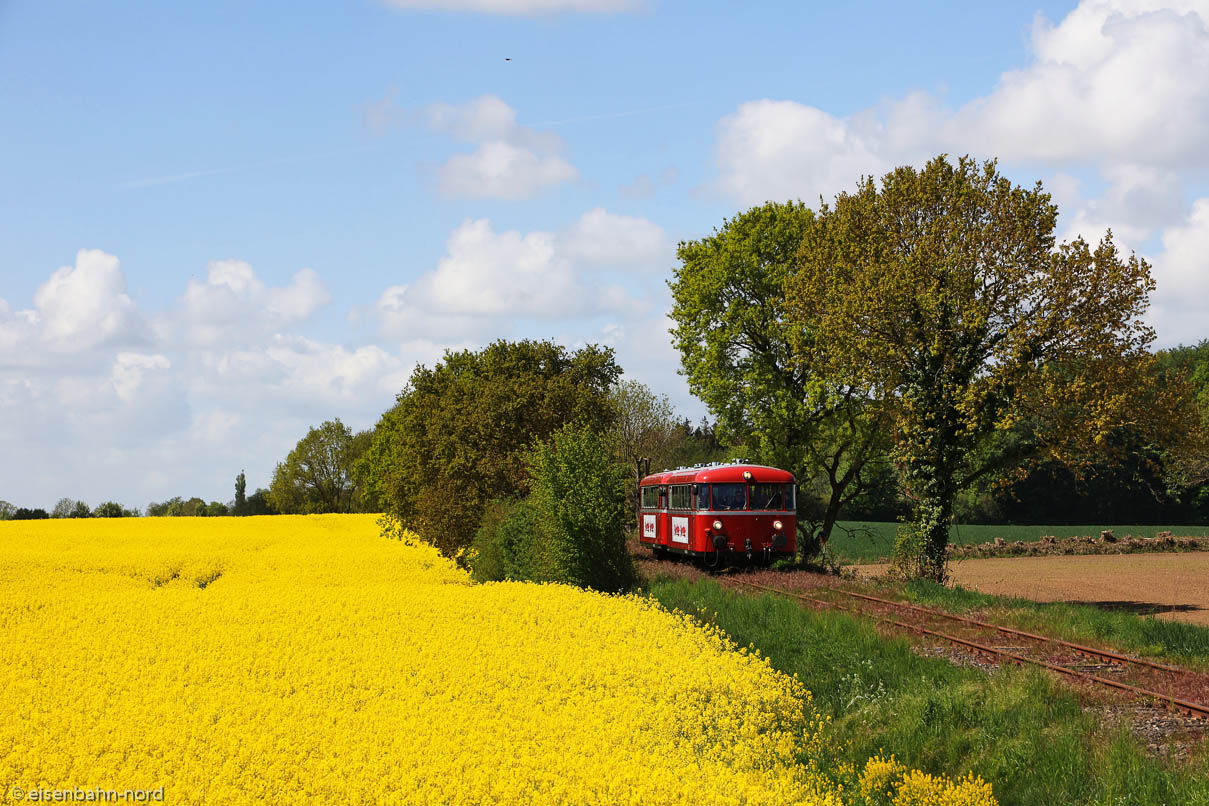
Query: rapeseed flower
x,y
304,658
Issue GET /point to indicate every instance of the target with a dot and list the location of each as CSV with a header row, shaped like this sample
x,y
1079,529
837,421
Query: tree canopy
x,y
942,297
460,431
317,476
736,352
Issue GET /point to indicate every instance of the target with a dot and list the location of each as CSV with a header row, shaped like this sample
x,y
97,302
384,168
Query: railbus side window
x,y
681,497
791,497
730,496
650,498
702,496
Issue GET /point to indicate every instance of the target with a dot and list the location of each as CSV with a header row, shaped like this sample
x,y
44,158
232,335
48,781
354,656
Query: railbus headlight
x,y
717,526
778,525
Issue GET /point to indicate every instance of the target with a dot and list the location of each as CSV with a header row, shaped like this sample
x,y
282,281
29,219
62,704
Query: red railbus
x,y
720,513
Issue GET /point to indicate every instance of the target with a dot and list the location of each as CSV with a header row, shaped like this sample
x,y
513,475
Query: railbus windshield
x,y
772,496
730,496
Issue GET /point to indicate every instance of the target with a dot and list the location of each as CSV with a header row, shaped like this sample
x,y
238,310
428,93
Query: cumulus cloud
x,y
232,302
1181,273
1121,86
499,170
487,279
603,238
519,6
785,150
102,406
1125,79
510,161
79,308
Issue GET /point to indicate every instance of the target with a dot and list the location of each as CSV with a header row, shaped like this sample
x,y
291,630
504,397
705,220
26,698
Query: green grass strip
x,y
1017,728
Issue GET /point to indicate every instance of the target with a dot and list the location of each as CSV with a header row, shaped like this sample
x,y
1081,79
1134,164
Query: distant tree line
x,y
257,503
67,508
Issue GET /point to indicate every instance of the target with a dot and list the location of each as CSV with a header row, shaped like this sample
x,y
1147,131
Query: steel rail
x,y
1184,706
1103,654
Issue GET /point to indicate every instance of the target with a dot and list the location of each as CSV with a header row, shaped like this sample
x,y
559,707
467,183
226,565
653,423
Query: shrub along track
x,y
1172,687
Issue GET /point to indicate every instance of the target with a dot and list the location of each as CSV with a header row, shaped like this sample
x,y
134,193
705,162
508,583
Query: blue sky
x,y
221,223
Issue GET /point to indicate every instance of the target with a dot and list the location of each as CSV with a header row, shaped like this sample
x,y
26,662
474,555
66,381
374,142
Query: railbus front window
x,y
702,496
730,496
768,496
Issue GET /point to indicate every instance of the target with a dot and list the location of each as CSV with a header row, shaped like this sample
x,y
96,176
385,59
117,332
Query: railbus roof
x,y
720,473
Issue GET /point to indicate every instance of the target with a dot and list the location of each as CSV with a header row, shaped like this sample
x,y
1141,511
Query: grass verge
x,y
1018,728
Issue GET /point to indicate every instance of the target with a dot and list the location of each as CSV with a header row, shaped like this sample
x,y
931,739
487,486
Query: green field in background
x,y
869,541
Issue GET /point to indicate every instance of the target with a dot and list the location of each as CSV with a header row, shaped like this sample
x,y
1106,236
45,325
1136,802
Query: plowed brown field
x,y
1172,585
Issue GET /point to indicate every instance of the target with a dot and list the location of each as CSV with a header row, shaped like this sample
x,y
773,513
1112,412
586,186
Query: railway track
x,y
1147,679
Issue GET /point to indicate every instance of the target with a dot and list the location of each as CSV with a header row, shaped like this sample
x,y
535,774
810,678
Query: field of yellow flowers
x,y
231,660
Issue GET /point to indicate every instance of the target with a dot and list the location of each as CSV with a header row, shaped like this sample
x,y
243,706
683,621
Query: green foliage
x,y
70,508
570,528
240,506
942,296
505,546
1019,729
63,508
1084,624
112,509
6,511
317,476
578,499
460,432
26,514
259,504
736,352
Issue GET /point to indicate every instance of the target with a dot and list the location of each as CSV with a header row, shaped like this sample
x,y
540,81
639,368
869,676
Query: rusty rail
x,y
1184,706
1102,654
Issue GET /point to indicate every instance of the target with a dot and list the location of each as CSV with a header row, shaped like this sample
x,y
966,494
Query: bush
x,y
570,528
578,498
505,546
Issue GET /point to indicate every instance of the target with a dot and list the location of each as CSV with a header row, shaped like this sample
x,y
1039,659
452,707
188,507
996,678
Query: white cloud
x,y
519,6
1121,86
129,370
232,303
603,238
782,150
99,406
487,279
485,273
500,170
510,162
1122,80
1181,273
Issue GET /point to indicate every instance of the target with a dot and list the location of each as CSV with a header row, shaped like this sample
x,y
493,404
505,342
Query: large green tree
x,y
942,296
317,476
460,432
736,351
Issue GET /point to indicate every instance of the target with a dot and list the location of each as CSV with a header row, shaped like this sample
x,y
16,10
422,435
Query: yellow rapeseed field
x,y
306,659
